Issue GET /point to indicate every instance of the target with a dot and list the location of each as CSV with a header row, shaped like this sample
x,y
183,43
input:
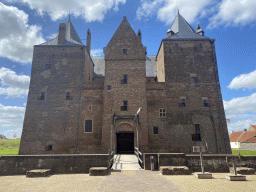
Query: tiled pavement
x,y
136,180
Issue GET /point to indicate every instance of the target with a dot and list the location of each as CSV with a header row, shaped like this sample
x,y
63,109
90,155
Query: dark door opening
x,y
125,143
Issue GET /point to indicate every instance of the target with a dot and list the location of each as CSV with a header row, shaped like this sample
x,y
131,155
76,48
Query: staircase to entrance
x,y
126,162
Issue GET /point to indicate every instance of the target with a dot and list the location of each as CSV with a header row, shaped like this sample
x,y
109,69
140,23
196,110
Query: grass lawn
x,y
243,152
9,151
9,146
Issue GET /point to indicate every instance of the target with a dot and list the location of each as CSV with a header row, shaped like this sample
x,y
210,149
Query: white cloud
x,y
234,13
16,36
244,81
10,133
88,9
11,117
241,105
96,52
166,10
241,111
12,84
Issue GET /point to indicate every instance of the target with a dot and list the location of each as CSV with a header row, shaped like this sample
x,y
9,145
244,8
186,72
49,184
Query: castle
x,y
166,103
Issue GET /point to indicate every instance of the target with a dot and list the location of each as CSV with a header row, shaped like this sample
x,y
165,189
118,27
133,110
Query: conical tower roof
x,y
71,36
181,30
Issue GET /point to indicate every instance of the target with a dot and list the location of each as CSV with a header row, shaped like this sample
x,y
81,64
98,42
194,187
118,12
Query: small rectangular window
x,y
88,126
49,148
124,80
108,87
90,108
183,103
162,112
42,96
193,79
125,106
124,51
197,135
68,96
155,130
206,104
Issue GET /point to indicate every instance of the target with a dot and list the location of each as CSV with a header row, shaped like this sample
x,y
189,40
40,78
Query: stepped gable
x,y
71,36
181,30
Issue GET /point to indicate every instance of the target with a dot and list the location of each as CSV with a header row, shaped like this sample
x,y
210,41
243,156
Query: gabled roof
x,y
72,37
99,68
250,140
254,126
183,31
241,136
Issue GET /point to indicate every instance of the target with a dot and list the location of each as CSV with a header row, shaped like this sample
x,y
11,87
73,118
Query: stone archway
x,y
125,136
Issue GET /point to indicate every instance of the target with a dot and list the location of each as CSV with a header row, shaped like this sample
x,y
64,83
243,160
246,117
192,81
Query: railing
x,y
140,157
111,157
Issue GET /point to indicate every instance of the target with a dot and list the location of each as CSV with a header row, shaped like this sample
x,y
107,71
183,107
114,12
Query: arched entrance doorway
x,y
125,138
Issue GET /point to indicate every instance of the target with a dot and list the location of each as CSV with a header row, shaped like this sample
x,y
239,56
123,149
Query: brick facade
x,y
73,95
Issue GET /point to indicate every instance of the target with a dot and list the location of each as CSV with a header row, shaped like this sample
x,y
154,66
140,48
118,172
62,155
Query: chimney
x,y
139,34
169,33
88,41
245,130
199,30
62,34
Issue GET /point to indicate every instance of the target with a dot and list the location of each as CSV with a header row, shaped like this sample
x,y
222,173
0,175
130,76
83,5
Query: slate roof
x,y
241,136
72,37
183,31
99,68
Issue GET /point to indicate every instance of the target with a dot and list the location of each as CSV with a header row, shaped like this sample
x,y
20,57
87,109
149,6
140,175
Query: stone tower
x,y
186,64
124,90
54,113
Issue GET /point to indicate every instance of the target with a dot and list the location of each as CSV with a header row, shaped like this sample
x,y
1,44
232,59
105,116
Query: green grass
x,y
9,146
9,151
243,152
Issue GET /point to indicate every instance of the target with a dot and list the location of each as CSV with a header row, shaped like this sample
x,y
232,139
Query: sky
x,y
24,23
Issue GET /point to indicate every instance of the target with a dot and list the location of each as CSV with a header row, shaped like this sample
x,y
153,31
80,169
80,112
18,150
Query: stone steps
x,y
39,173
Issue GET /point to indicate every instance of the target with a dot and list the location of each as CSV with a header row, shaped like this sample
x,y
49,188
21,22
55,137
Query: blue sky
x,y
24,23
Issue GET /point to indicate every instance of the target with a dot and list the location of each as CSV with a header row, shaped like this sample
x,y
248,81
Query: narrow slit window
x,y
124,51
68,96
193,79
88,126
124,80
42,96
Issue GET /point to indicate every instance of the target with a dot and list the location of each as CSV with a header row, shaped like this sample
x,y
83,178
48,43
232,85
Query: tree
x,y
2,136
14,135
